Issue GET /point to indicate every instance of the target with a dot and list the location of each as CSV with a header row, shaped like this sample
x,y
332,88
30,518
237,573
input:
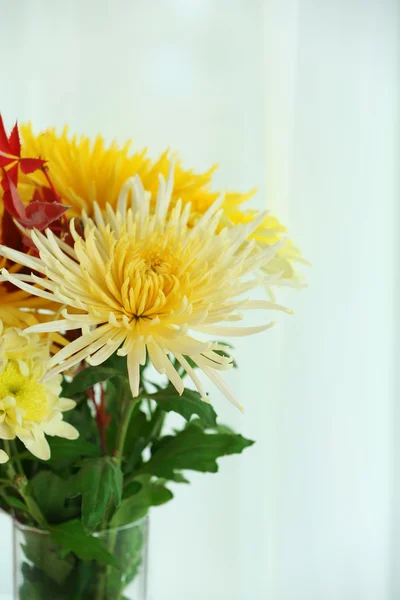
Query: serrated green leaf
x,y
193,449
38,590
136,507
51,492
71,536
87,378
131,489
99,481
118,363
188,404
41,550
63,449
129,553
139,427
137,438
177,477
83,575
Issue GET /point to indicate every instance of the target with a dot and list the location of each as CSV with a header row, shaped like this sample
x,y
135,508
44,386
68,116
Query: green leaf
x,y
129,552
137,438
82,577
187,405
100,482
192,449
177,477
136,507
132,488
63,449
87,378
117,363
38,586
139,427
16,502
41,550
38,590
51,493
113,398
71,536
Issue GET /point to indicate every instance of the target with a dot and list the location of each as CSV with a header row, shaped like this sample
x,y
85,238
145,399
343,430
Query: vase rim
x,y
31,529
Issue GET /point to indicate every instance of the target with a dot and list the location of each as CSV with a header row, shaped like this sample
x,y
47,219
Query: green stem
x,y
128,407
20,456
34,509
150,409
9,466
158,418
16,457
19,482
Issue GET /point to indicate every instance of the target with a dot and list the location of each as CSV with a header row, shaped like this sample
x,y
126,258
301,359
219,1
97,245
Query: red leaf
x,y
29,165
5,160
14,142
12,173
47,195
11,235
36,196
41,214
4,145
11,199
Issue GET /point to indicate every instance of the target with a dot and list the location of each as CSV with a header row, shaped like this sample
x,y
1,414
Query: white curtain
x,y
301,98
332,138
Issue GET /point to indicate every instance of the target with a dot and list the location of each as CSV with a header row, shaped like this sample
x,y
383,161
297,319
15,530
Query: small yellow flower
x,y
86,172
140,281
29,408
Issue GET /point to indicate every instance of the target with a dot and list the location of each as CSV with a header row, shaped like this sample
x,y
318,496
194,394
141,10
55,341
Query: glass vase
x,y
44,570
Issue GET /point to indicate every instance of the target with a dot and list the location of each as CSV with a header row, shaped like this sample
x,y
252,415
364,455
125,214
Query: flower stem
x,y
34,509
17,459
20,483
128,408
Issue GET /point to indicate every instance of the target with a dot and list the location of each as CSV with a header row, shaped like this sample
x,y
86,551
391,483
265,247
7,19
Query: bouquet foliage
x,y
120,277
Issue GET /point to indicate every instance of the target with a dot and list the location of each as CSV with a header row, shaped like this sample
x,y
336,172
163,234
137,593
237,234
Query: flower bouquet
x,y
120,279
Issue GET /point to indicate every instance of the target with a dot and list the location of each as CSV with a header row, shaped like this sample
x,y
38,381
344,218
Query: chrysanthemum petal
x,y
222,385
192,374
234,331
144,278
3,457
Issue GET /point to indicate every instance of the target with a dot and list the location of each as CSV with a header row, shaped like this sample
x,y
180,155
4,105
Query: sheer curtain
x,y
299,98
332,99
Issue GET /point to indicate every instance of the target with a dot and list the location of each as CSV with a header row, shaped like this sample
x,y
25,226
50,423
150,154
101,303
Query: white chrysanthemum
x,y
29,407
143,281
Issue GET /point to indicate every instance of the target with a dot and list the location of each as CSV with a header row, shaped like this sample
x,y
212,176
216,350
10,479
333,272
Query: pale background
x,y
301,98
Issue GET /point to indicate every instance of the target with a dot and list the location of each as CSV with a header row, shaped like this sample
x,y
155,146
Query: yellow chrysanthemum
x,y
143,280
29,407
84,173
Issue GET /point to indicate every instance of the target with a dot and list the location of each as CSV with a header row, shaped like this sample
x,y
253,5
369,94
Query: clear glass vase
x,y
44,570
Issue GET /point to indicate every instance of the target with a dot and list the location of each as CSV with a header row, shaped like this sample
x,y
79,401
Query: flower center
x,y
150,277
28,393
